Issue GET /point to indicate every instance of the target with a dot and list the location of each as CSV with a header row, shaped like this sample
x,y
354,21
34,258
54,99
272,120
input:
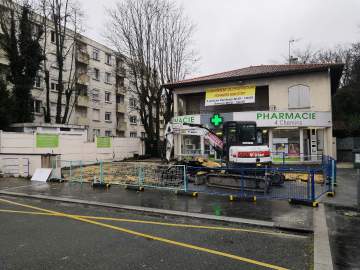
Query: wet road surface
x,y
36,234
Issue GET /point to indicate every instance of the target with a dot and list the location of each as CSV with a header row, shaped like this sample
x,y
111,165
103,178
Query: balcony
x,y
121,71
120,89
82,121
83,79
121,125
83,101
120,107
82,56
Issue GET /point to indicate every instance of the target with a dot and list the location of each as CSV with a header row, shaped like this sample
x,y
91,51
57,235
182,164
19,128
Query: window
x,y
119,99
108,59
133,134
52,36
36,29
107,97
286,144
95,95
95,54
96,114
37,106
96,74
37,83
108,133
54,86
133,120
143,134
108,116
132,103
107,77
299,97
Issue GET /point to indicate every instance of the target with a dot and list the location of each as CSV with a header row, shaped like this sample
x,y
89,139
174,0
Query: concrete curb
x,y
268,224
322,252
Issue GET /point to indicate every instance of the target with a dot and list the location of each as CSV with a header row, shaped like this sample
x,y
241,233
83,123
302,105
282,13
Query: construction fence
x,y
305,183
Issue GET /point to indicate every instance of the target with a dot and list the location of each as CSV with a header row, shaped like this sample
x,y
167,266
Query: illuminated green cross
x,y
216,120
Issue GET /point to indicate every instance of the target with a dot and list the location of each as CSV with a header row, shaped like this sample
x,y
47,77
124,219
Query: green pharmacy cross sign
x,y
216,120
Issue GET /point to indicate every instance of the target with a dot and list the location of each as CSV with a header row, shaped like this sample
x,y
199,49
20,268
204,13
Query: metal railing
x,y
121,173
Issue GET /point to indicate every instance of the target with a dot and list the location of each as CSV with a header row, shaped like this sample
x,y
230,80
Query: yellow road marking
x,y
159,223
148,236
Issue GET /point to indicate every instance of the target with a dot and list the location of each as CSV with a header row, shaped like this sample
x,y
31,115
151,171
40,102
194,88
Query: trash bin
x,y
356,156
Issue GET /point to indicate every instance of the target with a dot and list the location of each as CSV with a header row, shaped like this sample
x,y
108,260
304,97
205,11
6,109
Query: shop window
x,y
299,97
191,145
286,144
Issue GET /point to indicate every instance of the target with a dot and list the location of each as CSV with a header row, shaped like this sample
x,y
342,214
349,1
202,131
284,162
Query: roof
x,y
254,72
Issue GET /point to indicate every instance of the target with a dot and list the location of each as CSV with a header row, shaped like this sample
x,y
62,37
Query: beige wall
x,y
319,84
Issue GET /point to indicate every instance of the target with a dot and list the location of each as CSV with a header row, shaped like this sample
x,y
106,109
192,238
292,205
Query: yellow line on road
x,y
160,223
148,236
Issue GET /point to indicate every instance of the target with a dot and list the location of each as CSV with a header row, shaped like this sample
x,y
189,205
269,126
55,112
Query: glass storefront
x,y
286,144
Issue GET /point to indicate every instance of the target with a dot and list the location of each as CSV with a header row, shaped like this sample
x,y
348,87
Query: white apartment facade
x,y
102,96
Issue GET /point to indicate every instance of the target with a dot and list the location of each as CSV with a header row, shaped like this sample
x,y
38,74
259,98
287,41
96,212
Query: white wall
x,y
71,147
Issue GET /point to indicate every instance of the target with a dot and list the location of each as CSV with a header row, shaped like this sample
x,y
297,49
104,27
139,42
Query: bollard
x,y
304,202
240,198
134,188
186,193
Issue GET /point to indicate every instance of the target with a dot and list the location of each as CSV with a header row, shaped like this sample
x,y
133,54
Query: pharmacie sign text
x,y
286,119
285,115
190,119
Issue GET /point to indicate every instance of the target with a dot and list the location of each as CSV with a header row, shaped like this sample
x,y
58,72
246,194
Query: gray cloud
x,y
235,33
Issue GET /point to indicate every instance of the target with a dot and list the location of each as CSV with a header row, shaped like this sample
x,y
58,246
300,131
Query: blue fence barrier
x,y
299,182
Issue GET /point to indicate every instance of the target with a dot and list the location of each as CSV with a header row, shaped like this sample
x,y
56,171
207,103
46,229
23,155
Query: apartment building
x,y
102,100
291,105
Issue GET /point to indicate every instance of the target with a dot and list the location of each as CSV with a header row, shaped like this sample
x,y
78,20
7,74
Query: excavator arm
x,y
210,136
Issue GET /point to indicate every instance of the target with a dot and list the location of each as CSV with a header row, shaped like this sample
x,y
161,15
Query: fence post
x,y
283,154
333,174
70,171
101,172
312,186
185,180
81,172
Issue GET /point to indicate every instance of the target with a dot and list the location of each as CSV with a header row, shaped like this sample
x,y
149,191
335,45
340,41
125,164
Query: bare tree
x,y
155,37
64,17
338,54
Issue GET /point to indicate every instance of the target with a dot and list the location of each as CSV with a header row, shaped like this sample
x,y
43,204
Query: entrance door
x,y
313,138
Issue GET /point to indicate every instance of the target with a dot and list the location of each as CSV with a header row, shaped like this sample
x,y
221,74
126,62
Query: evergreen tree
x,y
22,48
5,105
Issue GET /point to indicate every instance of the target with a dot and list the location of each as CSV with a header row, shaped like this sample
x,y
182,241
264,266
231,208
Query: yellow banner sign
x,y
230,95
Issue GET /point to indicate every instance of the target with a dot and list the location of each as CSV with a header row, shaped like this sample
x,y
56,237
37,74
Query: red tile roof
x,y
254,72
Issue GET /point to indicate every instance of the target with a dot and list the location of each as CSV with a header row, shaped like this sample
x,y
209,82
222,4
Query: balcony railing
x,y
83,79
82,57
82,101
120,89
82,121
121,125
121,107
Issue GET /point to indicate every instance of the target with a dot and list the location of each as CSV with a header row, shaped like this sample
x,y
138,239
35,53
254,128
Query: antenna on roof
x,y
292,59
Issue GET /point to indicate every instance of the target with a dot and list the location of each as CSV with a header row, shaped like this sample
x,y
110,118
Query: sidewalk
x,y
278,214
343,220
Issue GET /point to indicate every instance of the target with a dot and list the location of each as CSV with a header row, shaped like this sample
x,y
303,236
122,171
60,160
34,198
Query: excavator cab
x,y
239,134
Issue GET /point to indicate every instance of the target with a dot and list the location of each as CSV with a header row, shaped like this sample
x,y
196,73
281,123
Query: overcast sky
x,y
231,34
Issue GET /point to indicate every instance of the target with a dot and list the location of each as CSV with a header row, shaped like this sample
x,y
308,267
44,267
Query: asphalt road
x,y
47,235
